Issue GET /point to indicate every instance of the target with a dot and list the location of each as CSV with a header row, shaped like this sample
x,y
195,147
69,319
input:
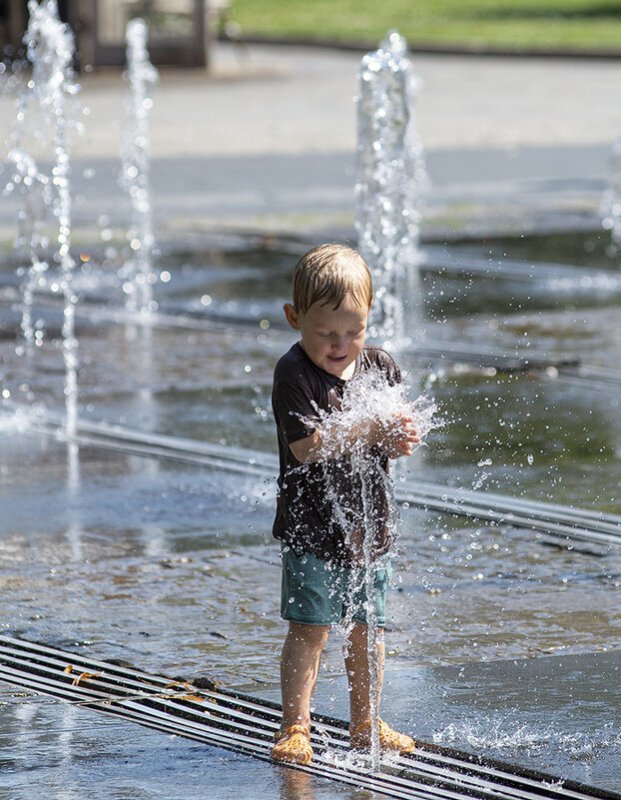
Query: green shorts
x,y
318,592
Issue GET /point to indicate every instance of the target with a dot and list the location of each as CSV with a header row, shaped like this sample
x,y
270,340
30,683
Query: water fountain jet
x,y
34,187
51,50
611,200
391,181
135,179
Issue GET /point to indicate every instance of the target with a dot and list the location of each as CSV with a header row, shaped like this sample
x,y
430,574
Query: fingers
x,y
408,431
400,436
403,448
406,438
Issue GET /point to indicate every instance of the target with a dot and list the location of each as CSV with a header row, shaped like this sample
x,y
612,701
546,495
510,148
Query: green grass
x,y
536,24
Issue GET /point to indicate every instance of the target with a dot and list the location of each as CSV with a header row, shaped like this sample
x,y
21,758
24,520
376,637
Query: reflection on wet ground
x,y
70,753
172,567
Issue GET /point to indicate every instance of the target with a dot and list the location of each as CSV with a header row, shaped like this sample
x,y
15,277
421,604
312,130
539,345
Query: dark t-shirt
x,y
322,504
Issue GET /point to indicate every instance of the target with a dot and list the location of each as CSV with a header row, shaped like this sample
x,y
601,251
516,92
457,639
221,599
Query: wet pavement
x,y
54,749
527,715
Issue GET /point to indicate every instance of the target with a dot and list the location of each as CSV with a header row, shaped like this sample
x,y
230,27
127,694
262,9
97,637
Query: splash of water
x,y
141,75
514,736
391,182
368,396
51,50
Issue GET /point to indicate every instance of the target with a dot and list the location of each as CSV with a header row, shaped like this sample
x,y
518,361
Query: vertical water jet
x,y
390,183
362,501
611,200
141,75
33,187
51,50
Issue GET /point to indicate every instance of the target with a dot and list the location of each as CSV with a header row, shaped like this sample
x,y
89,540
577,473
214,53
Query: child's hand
x,y
403,438
398,436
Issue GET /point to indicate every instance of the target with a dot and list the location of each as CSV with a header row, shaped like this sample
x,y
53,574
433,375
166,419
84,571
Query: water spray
x,y
141,75
51,50
391,181
364,520
611,201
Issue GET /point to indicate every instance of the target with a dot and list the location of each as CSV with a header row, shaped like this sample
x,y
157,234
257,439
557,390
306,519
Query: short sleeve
x,y
394,374
388,366
295,412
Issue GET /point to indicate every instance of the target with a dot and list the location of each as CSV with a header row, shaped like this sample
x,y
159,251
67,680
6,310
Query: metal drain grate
x,y
246,724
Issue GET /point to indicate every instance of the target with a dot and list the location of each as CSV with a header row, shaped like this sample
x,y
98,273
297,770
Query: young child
x,y
332,295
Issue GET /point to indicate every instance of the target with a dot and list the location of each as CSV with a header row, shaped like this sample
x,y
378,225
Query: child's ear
x,y
292,316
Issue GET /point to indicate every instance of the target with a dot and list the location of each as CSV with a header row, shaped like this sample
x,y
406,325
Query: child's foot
x,y
389,740
293,745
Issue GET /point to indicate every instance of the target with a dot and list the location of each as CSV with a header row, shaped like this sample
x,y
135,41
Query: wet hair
x,y
326,274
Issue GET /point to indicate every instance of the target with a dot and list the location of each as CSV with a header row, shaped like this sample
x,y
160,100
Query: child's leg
x,y
299,667
359,674
360,687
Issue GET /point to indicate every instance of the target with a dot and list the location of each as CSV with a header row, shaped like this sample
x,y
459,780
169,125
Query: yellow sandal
x,y
293,745
389,740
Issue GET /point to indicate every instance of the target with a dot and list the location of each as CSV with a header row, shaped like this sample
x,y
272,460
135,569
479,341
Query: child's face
x,y
332,338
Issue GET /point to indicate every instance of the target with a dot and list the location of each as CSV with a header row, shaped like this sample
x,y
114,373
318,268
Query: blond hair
x,y
326,274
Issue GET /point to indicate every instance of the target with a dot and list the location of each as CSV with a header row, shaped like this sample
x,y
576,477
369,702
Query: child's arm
x,y
397,437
